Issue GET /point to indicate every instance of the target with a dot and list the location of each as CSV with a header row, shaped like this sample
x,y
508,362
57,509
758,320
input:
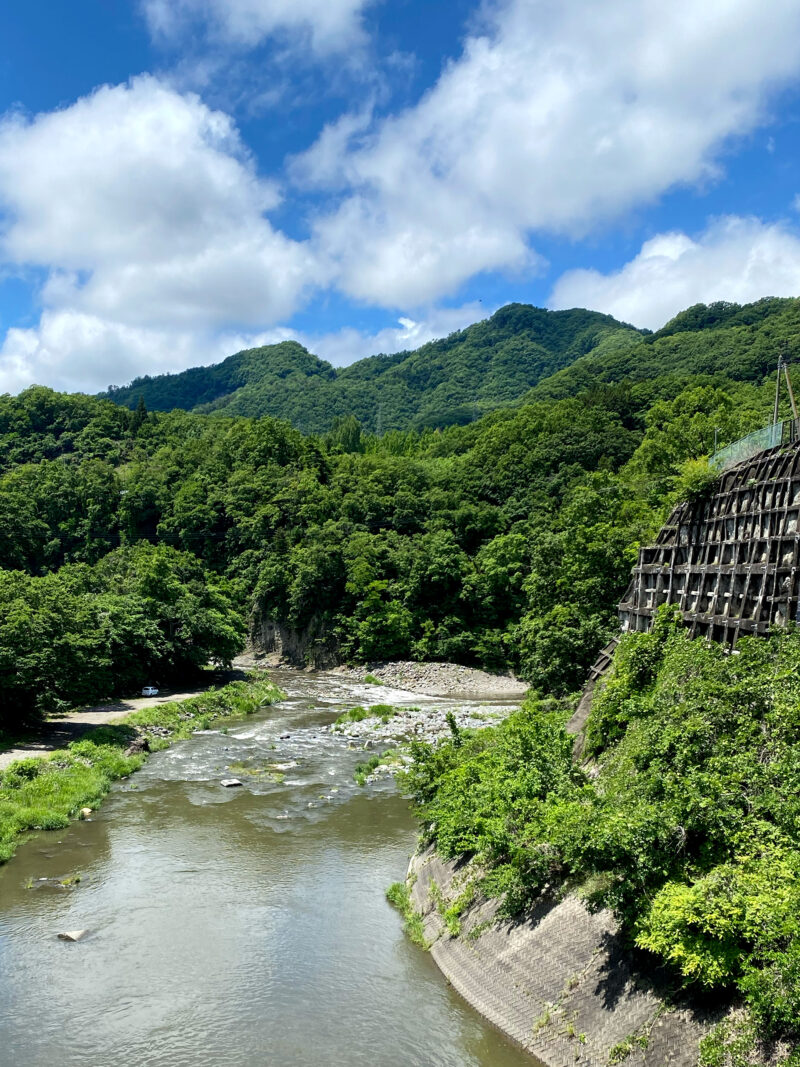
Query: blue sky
x,y
183,178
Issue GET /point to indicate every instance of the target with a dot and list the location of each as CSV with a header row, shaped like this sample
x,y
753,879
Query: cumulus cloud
x,y
738,259
77,352
345,346
329,26
146,211
558,116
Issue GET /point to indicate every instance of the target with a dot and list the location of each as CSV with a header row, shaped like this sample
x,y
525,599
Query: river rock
x,y
141,744
73,935
86,812
230,783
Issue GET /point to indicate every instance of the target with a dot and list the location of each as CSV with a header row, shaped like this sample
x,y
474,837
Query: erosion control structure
x,y
729,561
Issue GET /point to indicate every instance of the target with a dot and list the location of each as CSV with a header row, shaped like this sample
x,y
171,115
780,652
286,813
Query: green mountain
x,y
739,342
521,353
452,381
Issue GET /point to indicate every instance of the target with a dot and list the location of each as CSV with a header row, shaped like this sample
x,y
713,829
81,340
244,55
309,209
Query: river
x,y
241,926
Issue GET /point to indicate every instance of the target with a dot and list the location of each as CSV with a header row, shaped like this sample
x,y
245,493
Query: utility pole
x,y
777,391
789,387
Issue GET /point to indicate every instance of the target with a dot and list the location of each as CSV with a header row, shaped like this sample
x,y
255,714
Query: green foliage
x,y
444,383
688,827
81,634
399,896
696,480
737,1042
487,794
503,543
47,793
353,715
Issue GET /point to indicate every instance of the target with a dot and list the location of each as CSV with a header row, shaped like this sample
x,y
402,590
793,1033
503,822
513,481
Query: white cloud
x,y
146,204
147,212
738,259
75,351
345,346
560,116
78,352
329,26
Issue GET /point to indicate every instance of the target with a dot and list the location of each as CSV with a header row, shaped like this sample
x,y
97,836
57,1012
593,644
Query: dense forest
x,y
520,353
447,382
134,544
137,545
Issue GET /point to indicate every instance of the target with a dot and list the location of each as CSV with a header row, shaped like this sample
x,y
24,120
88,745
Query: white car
x,y
149,691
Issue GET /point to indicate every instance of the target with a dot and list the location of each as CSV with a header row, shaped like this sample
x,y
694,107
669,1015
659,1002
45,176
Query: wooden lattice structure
x,y
730,561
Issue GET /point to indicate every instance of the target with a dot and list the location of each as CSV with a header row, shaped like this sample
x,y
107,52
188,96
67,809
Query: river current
x,y
240,927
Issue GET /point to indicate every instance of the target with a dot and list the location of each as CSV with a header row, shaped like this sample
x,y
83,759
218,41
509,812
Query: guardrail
x,y
777,433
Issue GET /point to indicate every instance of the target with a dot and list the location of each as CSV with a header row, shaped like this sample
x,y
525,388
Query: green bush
x,y
688,826
47,793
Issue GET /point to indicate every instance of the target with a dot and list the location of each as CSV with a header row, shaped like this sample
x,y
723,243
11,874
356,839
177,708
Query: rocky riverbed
x,y
439,679
386,730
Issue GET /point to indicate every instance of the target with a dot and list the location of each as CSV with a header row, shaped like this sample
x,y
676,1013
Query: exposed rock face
x,y
311,647
557,979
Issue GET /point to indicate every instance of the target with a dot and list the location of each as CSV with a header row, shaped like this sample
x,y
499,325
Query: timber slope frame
x,y
728,561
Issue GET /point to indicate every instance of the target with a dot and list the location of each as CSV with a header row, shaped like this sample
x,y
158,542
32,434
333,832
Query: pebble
x,y
439,679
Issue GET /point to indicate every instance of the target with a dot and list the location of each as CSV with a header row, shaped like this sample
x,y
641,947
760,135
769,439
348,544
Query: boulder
x,y
230,783
73,935
141,744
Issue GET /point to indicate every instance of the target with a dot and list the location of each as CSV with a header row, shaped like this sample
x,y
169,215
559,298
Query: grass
x,y
399,896
353,715
48,793
384,712
370,679
364,769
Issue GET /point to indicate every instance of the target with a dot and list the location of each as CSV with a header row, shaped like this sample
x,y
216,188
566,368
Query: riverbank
x,y
439,679
61,731
269,895
47,792
557,979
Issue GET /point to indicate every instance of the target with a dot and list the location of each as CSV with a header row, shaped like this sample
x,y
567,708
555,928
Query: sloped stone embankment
x,y
557,981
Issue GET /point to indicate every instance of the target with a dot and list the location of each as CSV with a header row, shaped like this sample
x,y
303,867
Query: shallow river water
x,y
233,926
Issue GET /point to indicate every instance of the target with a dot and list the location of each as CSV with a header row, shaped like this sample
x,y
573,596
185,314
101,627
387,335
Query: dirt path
x,y
56,733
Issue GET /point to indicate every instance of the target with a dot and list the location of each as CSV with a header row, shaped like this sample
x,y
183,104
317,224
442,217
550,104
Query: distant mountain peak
x,y
456,379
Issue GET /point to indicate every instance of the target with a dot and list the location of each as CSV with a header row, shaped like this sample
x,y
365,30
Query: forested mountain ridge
x,y
737,342
451,381
136,546
504,542
520,353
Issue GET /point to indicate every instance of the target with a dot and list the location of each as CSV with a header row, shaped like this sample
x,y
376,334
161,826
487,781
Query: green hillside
x,y
741,343
137,545
520,353
446,382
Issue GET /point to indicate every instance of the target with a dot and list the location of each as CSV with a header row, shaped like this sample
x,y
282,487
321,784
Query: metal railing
x,y
777,433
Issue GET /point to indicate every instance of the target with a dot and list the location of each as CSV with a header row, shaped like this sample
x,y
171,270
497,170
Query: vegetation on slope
x,y
687,826
46,794
448,382
135,546
521,352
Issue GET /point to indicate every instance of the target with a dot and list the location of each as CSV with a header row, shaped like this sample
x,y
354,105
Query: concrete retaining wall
x,y
558,981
